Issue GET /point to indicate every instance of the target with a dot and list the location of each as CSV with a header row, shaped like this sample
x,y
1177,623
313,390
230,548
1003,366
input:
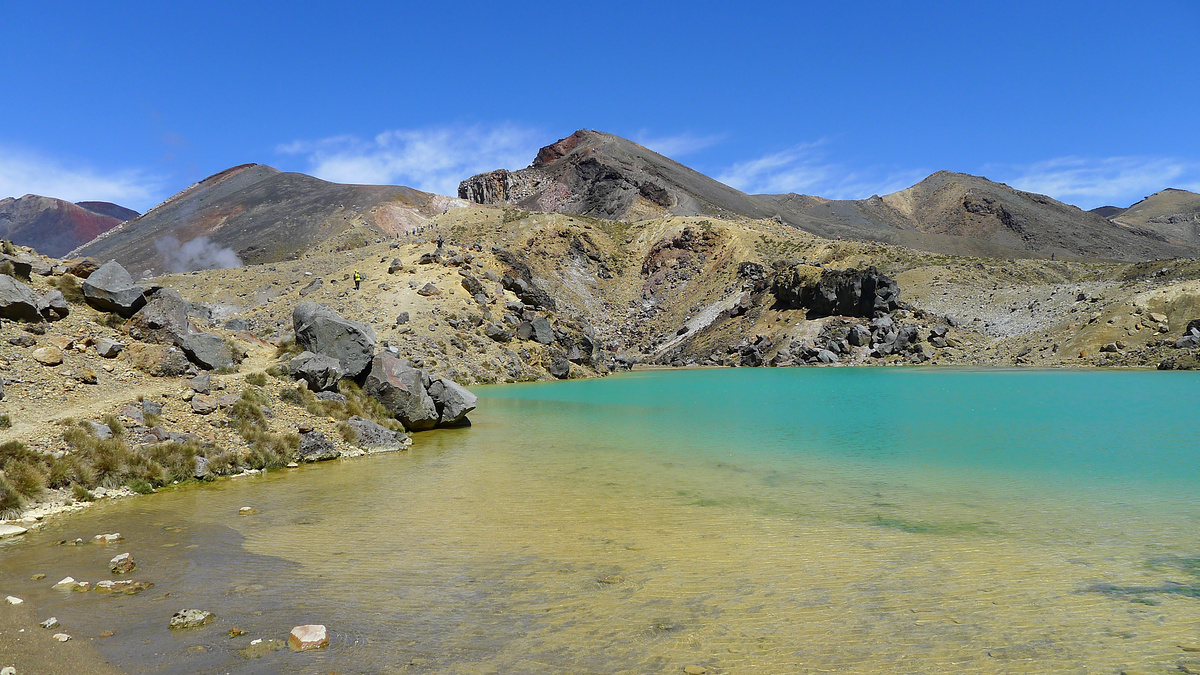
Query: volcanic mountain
x,y
1173,214
263,215
601,175
54,226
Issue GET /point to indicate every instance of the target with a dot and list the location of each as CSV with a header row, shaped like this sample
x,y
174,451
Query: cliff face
x,y
54,226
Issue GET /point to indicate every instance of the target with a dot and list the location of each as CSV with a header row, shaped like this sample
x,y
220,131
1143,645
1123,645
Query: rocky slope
x,y
601,175
260,215
54,226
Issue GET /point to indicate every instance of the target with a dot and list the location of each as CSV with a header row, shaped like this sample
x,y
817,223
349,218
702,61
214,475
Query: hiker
x,y
440,241
357,279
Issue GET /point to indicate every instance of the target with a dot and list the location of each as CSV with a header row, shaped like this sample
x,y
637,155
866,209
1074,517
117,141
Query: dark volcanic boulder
x,y
453,401
497,333
321,372
207,350
111,289
542,332
560,367
401,388
18,301
320,329
374,437
163,319
314,447
825,292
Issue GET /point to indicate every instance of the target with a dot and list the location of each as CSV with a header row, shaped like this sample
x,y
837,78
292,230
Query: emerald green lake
x,y
746,521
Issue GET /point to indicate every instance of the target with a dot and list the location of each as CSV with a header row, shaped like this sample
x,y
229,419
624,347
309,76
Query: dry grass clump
x,y
69,286
257,379
287,349
267,450
358,403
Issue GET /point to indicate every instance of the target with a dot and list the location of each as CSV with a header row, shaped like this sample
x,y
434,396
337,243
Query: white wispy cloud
x,y
678,145
24,173
806,169
1091,182
431,159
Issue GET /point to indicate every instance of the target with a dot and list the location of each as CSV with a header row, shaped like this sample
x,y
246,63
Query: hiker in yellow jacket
x,y
357,279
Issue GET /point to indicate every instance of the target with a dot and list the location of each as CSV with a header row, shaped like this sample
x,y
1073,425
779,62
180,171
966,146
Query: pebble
x,y
247,511
13,600
52,622
695,670
38,577
62,637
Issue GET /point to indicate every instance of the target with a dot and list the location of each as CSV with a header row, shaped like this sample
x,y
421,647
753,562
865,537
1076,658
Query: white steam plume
x,y
197,254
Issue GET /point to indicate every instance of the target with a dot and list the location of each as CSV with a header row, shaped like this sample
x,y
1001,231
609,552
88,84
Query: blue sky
x,y
1089,102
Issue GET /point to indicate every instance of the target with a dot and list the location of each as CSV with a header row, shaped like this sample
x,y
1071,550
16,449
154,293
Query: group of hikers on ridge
x,y
358,275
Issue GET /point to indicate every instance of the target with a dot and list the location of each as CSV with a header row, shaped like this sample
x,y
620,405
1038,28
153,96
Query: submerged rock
x,y
191,618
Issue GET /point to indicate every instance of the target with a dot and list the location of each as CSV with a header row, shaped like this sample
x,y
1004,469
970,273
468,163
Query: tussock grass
x,y
69,286
287,349
358,403
257,379
267,450
5,421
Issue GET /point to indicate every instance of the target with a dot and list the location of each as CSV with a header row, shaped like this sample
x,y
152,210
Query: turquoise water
x,y
750,521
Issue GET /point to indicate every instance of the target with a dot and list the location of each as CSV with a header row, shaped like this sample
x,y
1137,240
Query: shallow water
x,y
749,521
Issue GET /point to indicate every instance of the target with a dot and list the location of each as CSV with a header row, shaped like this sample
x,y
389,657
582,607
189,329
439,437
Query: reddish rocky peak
x,y
557,150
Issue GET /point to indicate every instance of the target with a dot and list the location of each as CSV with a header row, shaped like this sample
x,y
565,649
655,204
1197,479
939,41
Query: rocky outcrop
x,y
824,292
520,281
321,330
111,289
414,397
164,320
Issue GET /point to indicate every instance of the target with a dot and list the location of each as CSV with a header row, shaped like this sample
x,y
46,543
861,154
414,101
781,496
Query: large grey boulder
x,y
374,437
207,351
163,319
111,289
321,372
18,301
320,329
453,401
401,388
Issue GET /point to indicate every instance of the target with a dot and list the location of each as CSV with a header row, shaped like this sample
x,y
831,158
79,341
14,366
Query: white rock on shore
x,y
13,600
7,530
